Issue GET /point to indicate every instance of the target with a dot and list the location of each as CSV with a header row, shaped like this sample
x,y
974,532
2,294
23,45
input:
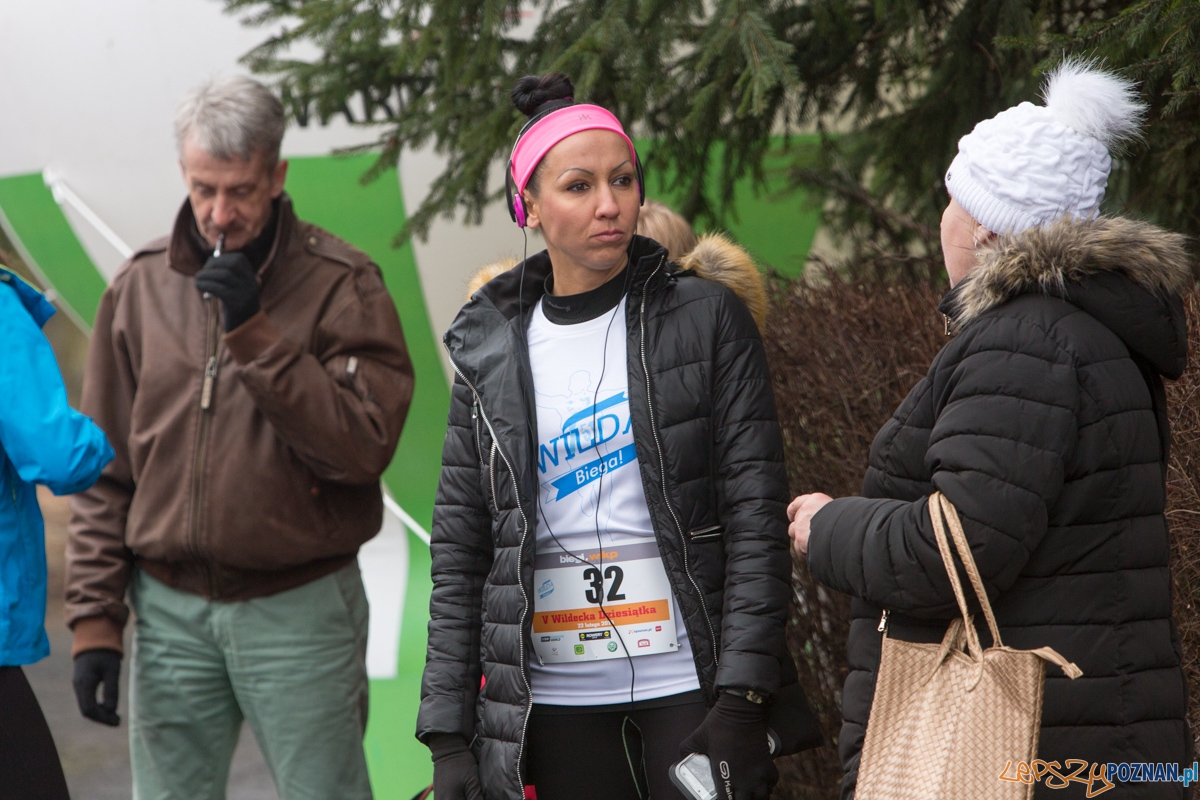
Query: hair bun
x,y
532,92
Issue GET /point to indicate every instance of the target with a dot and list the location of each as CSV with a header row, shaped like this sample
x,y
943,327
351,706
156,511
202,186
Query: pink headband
x,y
552,129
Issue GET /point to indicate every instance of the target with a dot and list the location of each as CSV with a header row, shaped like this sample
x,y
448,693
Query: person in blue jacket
x,y
42,440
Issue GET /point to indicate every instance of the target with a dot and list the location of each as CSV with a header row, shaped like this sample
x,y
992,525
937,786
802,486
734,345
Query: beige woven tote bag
x,y
944,723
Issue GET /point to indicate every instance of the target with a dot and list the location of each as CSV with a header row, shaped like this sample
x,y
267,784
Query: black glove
x,y
93,667
734,737
231,277
455,770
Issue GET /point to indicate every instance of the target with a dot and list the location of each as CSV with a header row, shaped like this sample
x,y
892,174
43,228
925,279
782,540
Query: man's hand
x,y
734,737
455,771
93,668
800,513
231,277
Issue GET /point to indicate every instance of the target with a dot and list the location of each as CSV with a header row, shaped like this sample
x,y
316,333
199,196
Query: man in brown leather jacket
x,y
251,374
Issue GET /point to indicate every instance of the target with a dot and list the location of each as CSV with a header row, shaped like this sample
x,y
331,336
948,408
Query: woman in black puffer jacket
x,y
1044,422
613,455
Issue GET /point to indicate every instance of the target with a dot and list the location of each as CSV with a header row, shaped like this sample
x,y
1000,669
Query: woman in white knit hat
x,y
1044,422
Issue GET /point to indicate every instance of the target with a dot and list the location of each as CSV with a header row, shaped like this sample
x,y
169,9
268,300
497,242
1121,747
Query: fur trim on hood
x,y
487,273
715,258
1047,258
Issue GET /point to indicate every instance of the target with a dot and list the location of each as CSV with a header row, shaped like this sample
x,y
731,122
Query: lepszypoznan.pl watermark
x,y
1098,778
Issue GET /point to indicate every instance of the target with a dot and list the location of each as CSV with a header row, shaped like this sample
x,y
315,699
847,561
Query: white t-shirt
x,y
577,474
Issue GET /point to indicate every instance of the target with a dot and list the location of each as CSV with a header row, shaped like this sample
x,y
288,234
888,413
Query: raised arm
x,y
341,409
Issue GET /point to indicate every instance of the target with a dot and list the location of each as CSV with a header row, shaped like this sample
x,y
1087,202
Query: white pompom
x,y
1093,102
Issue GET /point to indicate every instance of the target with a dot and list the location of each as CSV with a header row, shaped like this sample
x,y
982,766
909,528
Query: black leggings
x,y
29,766
608,755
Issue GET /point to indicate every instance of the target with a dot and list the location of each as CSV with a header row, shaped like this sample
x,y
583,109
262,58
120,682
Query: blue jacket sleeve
x,y
47,441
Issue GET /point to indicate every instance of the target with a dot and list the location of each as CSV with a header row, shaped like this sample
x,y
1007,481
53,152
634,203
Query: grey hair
x,y
232,117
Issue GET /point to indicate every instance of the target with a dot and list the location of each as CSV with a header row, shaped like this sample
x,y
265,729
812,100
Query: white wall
x,y
89,91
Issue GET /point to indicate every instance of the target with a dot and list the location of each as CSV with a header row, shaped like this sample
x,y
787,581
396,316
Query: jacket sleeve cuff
x,y
96,633
741,670
251,339
820,544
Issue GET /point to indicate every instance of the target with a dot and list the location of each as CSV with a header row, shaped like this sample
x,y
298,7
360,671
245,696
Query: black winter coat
x,y
711,458
1043,421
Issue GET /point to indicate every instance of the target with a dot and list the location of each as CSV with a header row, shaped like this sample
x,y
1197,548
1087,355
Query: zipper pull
x,y
883,622
210,375
474,412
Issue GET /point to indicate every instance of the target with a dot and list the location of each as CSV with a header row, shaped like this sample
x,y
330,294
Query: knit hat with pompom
x,y
1031,165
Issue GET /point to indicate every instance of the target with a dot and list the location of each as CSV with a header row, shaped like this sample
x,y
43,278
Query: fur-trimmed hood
x,y
716,258
1128,274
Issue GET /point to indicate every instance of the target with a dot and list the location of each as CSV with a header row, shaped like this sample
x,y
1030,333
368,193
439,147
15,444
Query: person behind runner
x,y
1044,422
663,224
612,454
42,441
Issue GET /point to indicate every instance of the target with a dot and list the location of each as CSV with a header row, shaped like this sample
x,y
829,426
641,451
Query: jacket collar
x,y
181,253
487,344
34,301
1127,274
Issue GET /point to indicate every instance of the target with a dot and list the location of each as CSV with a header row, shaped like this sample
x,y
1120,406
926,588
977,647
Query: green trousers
x,y
292,665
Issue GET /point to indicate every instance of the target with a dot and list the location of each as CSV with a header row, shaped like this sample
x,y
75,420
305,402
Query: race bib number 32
x,y
573,593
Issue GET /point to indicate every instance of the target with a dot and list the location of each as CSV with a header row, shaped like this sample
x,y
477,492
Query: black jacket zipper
x,y
662,466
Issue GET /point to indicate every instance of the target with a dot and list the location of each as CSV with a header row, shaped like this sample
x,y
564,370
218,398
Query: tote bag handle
x,y
942,513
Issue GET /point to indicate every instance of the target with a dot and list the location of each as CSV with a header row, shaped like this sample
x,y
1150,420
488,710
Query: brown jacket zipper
x,y
211,361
